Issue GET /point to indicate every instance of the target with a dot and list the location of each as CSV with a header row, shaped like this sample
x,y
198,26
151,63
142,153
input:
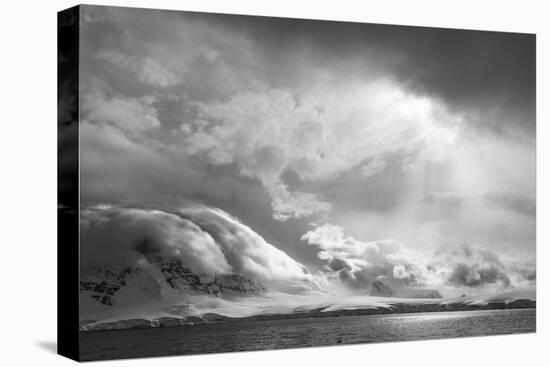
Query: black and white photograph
x,y
252,183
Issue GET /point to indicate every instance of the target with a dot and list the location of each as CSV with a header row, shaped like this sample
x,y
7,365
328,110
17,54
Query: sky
x,y
309,154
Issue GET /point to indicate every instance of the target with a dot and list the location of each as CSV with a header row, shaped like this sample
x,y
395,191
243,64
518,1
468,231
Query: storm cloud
x,y
356,150
463,274
207,240
357,264
489,74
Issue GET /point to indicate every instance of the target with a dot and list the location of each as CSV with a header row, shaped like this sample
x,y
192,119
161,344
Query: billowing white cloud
x,y
334,244
338,136
209,241
317,134
465,269
357,264
288,204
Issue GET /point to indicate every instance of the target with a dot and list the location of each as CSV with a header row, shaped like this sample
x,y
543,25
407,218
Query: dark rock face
x,y
123,324
428,293
234,284
103,285
214,317
90,325
184,279
521,303
394,308
170,321
379,289
223,285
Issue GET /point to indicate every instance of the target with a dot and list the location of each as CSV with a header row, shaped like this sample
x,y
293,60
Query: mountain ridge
x,y
379,288
318,312
164,278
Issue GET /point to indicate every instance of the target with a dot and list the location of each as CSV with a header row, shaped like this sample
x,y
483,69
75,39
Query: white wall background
x,y
28,182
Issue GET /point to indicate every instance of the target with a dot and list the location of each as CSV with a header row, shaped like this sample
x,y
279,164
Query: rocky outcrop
x,y
234,284
379,288
118,325
426,293
102,285
165,277
91,325
393,308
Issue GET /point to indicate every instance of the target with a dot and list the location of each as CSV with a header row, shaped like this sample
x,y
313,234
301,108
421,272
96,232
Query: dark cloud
x,y
464,275
476,268
314,122
357,264
362,279
530,275
516,202
337,264
490,75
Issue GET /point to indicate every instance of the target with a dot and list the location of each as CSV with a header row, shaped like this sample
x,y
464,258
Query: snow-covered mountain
x,y
379,289
161,280
389,288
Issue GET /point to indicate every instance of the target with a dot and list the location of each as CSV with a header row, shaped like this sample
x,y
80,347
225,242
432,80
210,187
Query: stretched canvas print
x,y
236,183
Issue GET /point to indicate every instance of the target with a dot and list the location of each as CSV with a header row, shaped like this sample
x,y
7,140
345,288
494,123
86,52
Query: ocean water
x,y
297,333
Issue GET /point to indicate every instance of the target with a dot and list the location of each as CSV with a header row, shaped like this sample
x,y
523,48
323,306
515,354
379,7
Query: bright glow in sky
x,y
341,152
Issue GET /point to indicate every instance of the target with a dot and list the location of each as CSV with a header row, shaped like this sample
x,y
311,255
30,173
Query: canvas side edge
x,y
68,183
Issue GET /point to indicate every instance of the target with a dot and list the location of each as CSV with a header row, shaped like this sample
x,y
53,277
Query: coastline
x,y
319,312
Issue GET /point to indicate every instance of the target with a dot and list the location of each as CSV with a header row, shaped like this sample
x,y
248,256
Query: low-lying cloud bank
x,y
211,241
208,241
454,271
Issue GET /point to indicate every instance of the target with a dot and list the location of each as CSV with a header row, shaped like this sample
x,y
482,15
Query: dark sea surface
x,y
296,333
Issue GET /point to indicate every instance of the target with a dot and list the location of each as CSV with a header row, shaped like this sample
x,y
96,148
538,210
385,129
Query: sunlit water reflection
x,y
275,334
